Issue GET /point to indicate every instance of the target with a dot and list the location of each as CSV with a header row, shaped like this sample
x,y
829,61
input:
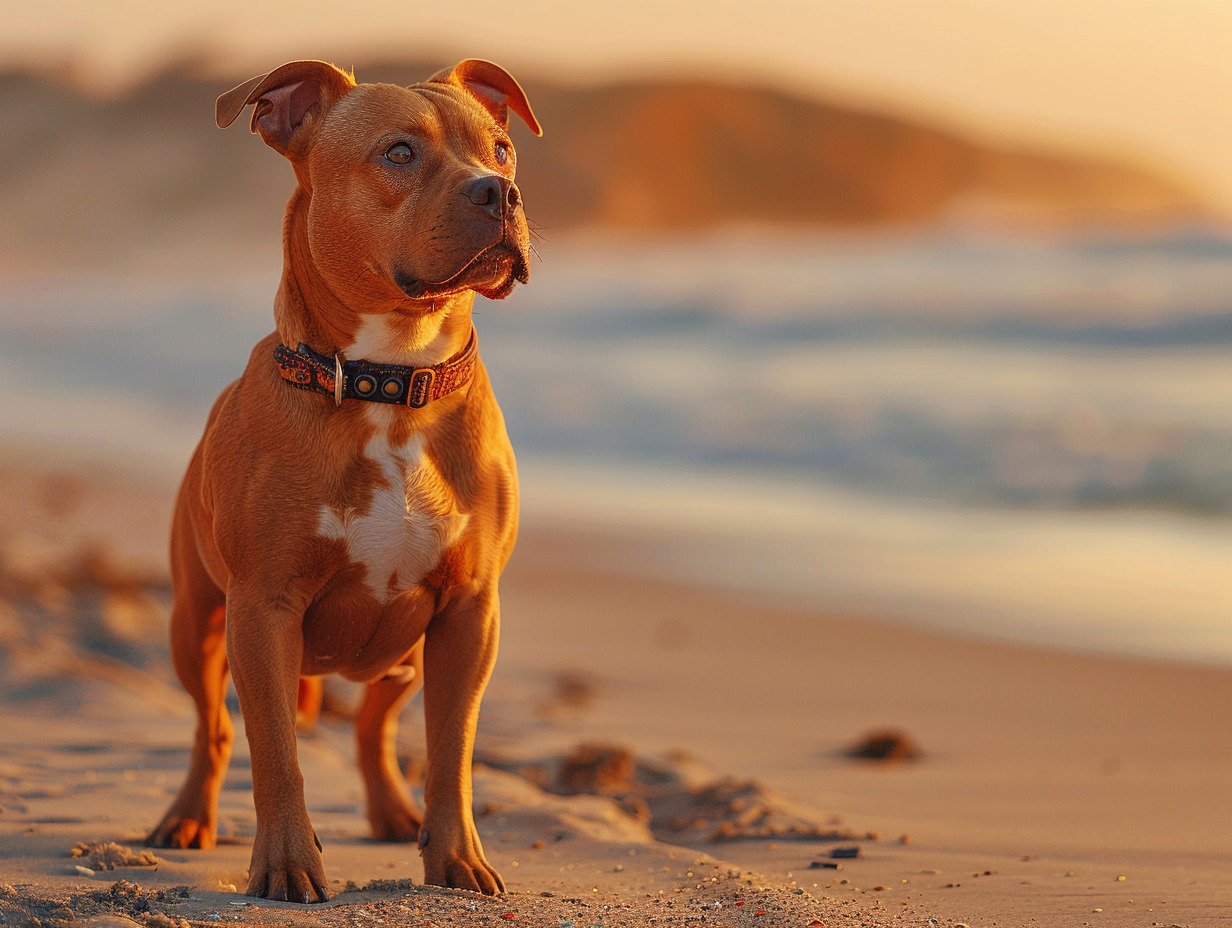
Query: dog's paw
x,y
183,831
476,875
287,867
461,870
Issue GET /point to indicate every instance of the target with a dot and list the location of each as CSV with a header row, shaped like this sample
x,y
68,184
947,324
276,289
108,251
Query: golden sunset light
x,y
760,463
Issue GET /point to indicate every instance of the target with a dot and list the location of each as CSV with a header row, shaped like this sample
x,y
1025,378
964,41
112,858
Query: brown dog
x,y
354,497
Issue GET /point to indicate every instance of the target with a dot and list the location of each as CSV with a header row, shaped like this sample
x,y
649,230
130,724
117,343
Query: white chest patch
x,y
409,524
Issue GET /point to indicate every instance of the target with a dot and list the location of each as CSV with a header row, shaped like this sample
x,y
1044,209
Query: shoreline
x,y
1079,581
1075,581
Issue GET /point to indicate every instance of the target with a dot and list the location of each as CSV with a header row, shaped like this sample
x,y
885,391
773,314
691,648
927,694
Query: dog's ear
x,y
285,99
492,86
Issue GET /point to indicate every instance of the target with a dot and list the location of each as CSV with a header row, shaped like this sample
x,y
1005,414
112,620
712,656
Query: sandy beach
x,y
1051,789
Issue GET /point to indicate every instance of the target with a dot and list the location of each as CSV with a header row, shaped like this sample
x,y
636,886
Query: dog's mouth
x,y
493,273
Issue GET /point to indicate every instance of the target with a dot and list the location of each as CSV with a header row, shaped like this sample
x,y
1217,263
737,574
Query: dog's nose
x,y
493,194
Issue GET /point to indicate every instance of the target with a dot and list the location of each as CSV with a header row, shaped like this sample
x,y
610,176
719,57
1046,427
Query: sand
x,y
1052,789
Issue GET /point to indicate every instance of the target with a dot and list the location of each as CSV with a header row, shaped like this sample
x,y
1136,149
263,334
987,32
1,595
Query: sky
x,y
1148,81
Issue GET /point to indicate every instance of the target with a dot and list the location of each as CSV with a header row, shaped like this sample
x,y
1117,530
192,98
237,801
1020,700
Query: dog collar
x,y
393,384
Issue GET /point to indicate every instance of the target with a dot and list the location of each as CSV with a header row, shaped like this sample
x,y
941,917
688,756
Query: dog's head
x,y
411,189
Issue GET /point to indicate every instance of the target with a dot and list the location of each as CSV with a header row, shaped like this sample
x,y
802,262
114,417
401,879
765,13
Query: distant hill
x,y
87,179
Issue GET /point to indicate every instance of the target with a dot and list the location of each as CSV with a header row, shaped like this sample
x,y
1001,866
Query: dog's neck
x,y
386,330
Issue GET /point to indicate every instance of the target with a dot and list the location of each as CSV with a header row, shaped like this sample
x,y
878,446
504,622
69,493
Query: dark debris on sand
x,y
886,746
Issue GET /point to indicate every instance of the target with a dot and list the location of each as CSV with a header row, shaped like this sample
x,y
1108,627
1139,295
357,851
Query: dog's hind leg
x,y
198,650
391,812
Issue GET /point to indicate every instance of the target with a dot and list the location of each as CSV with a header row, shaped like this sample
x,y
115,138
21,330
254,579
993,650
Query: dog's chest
x,y
409,521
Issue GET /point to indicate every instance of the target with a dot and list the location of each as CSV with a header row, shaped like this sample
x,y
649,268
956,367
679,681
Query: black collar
x,y
393,384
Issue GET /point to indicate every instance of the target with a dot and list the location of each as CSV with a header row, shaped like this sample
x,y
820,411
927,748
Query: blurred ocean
x,y
1010,437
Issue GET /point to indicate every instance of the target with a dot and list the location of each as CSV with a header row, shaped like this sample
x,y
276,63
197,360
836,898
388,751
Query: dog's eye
x,y
400,153
502,152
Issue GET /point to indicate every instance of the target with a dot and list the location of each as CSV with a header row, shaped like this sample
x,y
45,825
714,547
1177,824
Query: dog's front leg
x,y
264,648
459,651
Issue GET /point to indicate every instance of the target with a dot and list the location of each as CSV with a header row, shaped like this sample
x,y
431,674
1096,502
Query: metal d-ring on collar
x,y
392,384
